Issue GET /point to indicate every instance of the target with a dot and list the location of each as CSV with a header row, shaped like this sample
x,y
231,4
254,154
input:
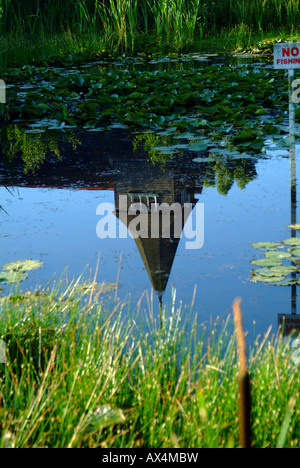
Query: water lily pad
x,y
264,279
295,252
292,241
186,136
89,286
275,255
202,160
11,277
288,282
23,265
267,245
264,272
294,226
268,262
198,146
283,270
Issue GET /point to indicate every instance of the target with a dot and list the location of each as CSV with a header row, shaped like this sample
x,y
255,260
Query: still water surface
x,y
51,216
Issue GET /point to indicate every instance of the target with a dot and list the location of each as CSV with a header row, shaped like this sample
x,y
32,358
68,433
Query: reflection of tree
x,y
148,141
32,148
220,174
223,174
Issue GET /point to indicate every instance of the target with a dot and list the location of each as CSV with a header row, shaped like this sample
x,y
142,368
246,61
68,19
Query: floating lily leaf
x,y
246,135
265,262
202,160
89,286
25,265
288,282
292,241
285,142
294,226
264,272
186,136
11,277
267,245
264,279
295,252
170,149
198,146
283,270
275,255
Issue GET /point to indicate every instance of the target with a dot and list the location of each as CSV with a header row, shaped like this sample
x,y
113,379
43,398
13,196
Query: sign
x,y
289,323
287,56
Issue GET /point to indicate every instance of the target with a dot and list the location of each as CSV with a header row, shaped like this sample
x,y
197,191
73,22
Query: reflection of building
x,y
142,182
106,161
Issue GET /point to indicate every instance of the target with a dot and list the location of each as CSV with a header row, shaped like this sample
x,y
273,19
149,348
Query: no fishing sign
x,y
287,56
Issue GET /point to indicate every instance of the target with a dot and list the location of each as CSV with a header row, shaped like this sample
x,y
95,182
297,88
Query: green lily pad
x,y
284,269
246,135
186,136
264,279
11,277
264,272
295,252
198,146
267,245
292,241
202,160
275,255
288,282
23,265
89,286
268,262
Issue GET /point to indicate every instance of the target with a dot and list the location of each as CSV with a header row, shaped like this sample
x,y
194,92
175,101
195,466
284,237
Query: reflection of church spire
x,y
158,253
142,184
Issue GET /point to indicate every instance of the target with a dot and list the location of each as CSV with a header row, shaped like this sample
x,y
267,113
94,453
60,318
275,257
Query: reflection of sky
x,y
59,227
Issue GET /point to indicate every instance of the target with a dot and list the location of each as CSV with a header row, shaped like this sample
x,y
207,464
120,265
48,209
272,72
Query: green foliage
x,y
78,375
32,148
177,23
187,101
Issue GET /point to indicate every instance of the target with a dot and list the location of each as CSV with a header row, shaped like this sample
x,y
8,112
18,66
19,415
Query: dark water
x,y
50,214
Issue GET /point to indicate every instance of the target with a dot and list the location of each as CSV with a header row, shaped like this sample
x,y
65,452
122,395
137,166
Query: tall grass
x,y
179,22
83,370
292,12
120,18
175,20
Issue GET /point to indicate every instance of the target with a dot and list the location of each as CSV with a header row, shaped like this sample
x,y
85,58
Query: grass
x,y
32,30
83,370
72,46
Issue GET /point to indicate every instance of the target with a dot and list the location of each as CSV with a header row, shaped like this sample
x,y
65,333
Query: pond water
x,y
50,215
53,182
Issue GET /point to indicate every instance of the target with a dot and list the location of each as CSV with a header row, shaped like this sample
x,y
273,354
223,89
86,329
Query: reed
x,y
292,13
178,22
86,370
120,18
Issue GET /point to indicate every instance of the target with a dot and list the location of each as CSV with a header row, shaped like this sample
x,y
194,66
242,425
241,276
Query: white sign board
x,y
287,56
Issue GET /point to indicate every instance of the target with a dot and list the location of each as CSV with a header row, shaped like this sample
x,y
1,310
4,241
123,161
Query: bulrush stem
x,y
244,379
